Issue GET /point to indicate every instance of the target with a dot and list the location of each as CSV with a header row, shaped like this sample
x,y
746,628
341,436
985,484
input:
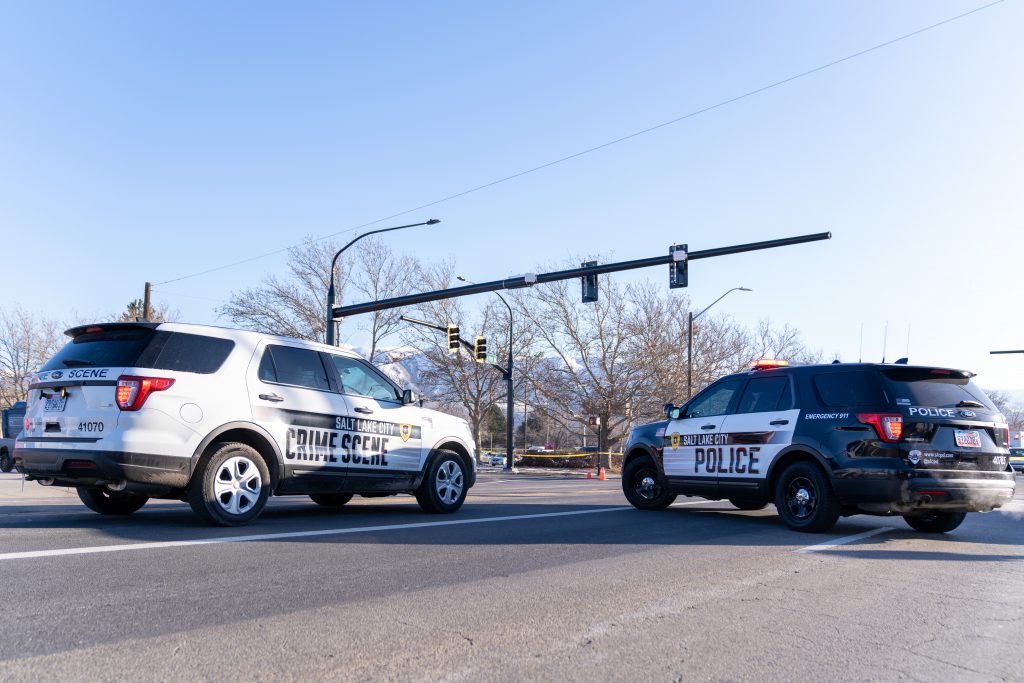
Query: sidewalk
x,y
14,490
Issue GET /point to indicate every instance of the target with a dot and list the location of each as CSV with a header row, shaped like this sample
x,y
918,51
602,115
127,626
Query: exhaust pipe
x,y
116,486
45,481
926,500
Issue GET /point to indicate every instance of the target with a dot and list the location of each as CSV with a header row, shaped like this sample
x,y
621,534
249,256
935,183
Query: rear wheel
x,y
935,521
331,500
99,499
231,485
643,485
805,499
748,504
444,487
6,462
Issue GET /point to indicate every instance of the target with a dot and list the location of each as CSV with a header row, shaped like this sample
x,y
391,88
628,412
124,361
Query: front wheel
x,y
444,487
231,485
935,521
805,499
99,499
643,486
6,462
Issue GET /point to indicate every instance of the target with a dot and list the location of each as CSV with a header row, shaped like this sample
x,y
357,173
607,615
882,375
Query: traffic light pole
x,y
532,279
506,374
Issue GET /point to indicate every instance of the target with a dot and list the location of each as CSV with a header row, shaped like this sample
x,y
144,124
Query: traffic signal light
x,y
679,268
589,284
593,421
480,350
453,338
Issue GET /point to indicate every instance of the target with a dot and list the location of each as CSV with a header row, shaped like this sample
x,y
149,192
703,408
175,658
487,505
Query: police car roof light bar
x,y
768,363
541,278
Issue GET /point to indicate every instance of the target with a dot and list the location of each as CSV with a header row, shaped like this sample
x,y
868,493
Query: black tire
x,y
748,504
331,500
6,462
231,485
644,486
99,499
804,498
443,489
935,521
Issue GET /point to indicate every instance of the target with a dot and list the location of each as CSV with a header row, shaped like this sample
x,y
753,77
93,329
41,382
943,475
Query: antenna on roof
x,y
885,339
860,351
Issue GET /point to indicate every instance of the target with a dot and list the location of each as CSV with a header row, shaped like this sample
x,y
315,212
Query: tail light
x,y
888,426
133,391
1003,436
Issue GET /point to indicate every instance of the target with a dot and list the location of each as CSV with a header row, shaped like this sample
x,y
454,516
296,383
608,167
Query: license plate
x,y
55,404
967,438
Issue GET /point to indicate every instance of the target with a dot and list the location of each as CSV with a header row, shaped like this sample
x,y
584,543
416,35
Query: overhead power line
x,y
589,150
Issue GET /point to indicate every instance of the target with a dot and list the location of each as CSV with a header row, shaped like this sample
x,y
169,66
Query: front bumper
x,y
902,491
93,468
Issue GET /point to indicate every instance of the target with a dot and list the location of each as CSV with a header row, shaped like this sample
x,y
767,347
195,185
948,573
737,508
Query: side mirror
x,y
672,412
409,396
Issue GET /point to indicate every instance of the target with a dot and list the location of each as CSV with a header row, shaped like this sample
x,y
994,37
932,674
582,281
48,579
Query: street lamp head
x,y
433,221
745,289
461,279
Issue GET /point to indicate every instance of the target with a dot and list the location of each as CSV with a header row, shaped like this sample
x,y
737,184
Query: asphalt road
x,y
534,579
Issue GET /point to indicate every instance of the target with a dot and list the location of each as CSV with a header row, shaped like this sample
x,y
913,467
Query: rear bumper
x,y
903,491
82,467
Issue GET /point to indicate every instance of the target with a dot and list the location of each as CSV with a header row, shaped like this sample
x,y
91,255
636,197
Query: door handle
x,y
709,426
272,397
364,411
779,422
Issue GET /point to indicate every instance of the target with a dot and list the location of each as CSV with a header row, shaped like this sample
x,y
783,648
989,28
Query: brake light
x,y
133,391
888,427
768,363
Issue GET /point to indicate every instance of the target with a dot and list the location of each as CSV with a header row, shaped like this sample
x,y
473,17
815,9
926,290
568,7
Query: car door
x,y
293,398
692,442
383,437
754,433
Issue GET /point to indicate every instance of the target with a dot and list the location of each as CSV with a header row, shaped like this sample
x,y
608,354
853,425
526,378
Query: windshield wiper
x,y
75,362
970,403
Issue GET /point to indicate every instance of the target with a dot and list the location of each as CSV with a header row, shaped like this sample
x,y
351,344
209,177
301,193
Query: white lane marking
x,y
693,502
842,541
90,550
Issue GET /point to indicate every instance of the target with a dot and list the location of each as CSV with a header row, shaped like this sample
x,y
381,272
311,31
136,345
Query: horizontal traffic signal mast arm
x,y
600,269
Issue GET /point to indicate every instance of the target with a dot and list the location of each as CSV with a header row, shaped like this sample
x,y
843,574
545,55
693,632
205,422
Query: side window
x,y
855,388
361,380
714,400
187,352
764,394
300,367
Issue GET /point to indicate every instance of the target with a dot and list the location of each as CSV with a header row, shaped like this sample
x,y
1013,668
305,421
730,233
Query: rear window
x,y
143,348
935,387
852,388
104,349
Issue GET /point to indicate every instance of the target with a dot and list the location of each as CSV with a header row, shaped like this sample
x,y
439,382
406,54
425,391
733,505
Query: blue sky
x,y
147,141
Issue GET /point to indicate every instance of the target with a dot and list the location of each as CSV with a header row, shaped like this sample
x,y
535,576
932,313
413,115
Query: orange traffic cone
x,y
589,475
600,474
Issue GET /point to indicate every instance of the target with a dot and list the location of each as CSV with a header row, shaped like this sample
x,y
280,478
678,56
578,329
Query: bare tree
x,y
136,311
294,303
27,341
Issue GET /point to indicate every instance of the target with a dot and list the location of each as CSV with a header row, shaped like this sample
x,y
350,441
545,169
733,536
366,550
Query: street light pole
x,y
689,338
510,453
329,336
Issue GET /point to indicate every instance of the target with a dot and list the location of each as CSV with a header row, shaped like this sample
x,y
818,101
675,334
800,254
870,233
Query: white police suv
x,y
225,418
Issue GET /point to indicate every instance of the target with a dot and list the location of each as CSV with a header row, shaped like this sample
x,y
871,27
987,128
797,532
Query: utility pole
x,y
147,301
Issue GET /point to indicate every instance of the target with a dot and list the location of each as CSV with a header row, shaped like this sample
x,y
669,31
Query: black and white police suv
x,y
822,441
225,418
